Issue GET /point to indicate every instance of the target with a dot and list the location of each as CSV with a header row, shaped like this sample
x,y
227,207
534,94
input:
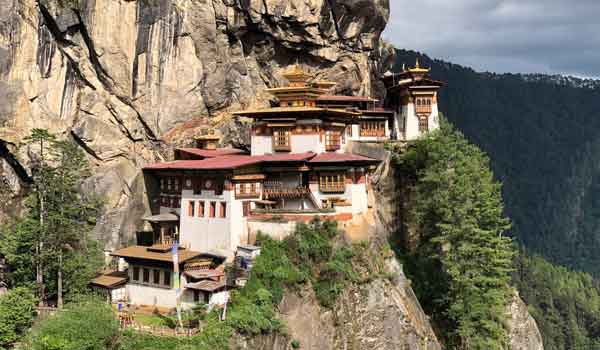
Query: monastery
x,y
209,203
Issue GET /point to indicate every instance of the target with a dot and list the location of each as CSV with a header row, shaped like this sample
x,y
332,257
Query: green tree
x,y
53,236
17,310
458,212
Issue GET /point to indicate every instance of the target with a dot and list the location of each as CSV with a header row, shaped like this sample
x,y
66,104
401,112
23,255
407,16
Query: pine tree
x,y
458,212
56,227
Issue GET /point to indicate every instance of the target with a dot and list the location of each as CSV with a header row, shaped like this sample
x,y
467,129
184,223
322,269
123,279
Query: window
x,y
146,276
191,208
423,124
169,184
167,278
281,139
245,209
136,273
246,190
423,105
201,209
156,276
223,211
332,140
213,207
332,183
196,296
372,128
162,184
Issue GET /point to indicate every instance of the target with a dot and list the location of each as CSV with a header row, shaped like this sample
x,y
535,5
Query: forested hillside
x,y
542,134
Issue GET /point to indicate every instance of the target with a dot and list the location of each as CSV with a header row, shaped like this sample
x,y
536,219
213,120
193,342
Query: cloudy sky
x,y
546,36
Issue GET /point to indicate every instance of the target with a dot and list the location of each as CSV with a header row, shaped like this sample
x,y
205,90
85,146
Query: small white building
x,y
414,98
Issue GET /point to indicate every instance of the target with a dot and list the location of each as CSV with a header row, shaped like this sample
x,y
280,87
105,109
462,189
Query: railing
x,y
372,132
285,192
282,148
423,109
332,147
339,188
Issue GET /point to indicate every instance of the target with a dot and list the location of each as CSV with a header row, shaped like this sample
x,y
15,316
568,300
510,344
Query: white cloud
x,y
547,36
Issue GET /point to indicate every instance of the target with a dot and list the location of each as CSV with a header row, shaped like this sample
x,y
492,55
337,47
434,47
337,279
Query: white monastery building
x,y
213,201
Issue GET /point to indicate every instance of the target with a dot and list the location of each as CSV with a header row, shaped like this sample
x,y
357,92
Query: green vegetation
x,y
457,211
314,253
50,245
543,136
565,304
87,324
17,310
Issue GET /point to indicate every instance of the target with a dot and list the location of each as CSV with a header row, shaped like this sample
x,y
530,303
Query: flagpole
x,y
177,282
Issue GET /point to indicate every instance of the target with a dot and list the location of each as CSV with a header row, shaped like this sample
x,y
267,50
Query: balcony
x,y
277,189
333,188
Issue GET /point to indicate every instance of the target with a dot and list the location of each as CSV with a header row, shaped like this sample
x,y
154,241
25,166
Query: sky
x,y
519,36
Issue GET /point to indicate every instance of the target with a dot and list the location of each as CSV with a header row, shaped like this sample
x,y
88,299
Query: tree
x,y
457,210
57,225
41,171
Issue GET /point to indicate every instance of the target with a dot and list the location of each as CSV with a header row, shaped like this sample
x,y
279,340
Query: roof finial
x,y
417,65
403,67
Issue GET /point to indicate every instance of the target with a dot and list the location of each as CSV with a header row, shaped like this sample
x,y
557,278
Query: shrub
x,y
88,324
17,310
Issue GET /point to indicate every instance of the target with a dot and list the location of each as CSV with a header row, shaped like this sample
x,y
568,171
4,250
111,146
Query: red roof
x,y
340,157
229,162
208,153
346,98
285,157
218,163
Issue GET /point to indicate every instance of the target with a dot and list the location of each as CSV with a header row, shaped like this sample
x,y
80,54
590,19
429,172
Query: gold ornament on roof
x,y
418,69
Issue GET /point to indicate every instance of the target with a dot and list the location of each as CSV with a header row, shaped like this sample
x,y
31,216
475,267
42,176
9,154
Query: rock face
x,y
127,80
524,333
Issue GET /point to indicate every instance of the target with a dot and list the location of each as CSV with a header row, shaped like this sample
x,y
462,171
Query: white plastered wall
x,y
216,234
261,145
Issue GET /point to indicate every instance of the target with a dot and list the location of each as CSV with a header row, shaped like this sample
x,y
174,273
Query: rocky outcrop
x,y
523,330
128,80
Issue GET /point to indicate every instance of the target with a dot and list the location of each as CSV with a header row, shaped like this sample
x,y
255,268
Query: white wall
x,y
148,295
275,230
261,145
360,203
412,121
307,143
206,234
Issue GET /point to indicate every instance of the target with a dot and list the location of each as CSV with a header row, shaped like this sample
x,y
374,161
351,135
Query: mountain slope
x,y
543,137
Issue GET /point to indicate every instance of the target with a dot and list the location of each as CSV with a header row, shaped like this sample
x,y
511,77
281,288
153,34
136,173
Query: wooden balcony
x,y
423,109
282,148
372,132
337,188
285,192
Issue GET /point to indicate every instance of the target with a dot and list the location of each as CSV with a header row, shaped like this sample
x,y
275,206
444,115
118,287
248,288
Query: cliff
x,y
128,80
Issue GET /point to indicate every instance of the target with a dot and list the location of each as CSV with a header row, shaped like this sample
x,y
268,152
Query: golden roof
x,y
417,68
296,73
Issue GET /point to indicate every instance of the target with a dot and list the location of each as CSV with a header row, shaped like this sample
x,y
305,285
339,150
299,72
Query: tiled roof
x,y
207,153
303,110
206,286
110,280
142,252
346,98
229,162
340,158
218,163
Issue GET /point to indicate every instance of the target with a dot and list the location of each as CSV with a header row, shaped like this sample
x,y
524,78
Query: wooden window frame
x,y
156,276
223,210
145,275
136,274
200,209
212,212
333,140
191,208
282,143
423,124
332,182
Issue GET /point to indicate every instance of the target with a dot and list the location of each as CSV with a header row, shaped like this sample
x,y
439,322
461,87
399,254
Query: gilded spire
x,y
418,69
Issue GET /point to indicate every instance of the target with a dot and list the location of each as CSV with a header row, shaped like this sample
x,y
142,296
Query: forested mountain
x,y
542,134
